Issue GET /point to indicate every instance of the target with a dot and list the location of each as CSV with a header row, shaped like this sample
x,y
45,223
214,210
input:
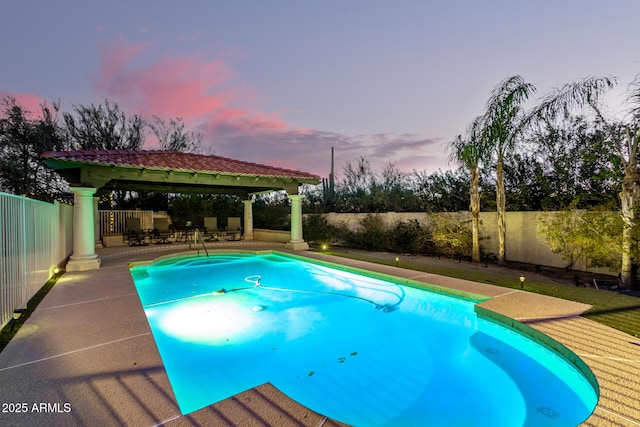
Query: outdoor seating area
x,y
211,230
164,231
234,228
161,231
135,234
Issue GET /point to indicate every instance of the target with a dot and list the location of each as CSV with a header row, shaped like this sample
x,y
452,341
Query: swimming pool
x,y
358,348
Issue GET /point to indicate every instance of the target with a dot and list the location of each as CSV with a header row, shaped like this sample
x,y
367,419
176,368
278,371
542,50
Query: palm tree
x,y
503,122
625,136
468,151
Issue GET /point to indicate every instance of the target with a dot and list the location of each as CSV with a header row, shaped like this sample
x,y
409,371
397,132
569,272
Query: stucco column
x,y
96,224
84,252
248,219
296,242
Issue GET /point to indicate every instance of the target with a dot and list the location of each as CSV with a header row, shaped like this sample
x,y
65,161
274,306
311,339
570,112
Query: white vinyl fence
x,y
35,237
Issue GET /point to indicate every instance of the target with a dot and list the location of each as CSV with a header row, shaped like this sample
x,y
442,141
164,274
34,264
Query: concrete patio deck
x,y
86,355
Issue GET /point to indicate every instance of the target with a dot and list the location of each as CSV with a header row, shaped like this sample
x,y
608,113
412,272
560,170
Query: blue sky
x,y
281,82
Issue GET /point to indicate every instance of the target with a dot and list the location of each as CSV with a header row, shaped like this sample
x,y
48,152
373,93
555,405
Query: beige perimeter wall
x,y
523,243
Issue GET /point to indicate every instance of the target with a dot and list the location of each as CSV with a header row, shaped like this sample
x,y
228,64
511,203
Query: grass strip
x,y
612,309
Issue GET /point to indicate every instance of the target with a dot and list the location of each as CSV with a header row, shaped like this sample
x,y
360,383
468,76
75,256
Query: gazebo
x,y
94,172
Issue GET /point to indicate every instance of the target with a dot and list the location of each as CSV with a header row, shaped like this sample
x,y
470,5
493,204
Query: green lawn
x,y
613,309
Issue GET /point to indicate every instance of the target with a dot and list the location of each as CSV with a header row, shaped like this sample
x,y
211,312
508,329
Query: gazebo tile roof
x,y
176,161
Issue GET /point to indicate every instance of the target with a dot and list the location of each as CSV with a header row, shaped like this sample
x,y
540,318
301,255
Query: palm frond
x,y
574,95
502,118
509,95
468,149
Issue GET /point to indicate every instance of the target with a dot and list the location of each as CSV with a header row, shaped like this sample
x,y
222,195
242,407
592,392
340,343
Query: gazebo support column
x,y
297,242
248,219
96,224
84,252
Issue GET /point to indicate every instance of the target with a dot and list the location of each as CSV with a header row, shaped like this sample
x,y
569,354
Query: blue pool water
x,y
359,349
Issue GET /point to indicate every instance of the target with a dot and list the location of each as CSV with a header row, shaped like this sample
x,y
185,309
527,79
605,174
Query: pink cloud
x,y
213,100
115,57
29,101
202,92
233,121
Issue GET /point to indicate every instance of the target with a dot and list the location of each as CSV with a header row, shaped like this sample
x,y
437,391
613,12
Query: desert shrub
x,y
275,217
316,228
451,238
272,212
594,236
371,234
340,233
410,237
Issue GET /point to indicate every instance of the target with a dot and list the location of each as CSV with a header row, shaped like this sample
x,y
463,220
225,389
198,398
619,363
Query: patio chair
x,y
211,231
161,232
135,233
234,228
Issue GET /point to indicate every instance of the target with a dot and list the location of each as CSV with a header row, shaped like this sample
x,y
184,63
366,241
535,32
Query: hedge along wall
x,y
523,240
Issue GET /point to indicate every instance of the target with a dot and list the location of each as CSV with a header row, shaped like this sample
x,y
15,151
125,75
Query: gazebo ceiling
x,y
171,172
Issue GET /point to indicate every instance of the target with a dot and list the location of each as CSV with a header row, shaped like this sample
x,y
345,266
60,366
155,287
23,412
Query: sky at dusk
x,y
281,82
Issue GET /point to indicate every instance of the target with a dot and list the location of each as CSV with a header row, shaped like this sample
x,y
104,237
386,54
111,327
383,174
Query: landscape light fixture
x,y
397,260
16,315
521,281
